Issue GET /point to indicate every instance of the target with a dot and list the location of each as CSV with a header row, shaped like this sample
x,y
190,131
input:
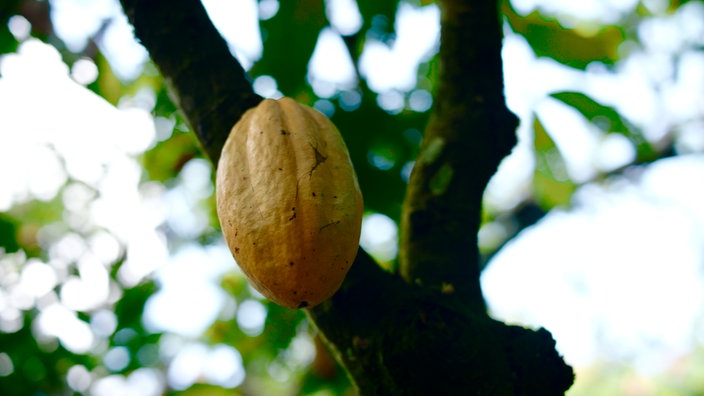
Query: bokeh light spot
x,y
6,366
379,236
420,100
251,316
116,359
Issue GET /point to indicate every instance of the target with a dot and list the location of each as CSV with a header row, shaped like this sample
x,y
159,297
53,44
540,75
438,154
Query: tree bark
x,y
469,132
394,335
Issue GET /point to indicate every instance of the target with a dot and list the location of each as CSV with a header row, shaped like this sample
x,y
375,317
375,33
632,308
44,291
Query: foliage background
x,y
111,253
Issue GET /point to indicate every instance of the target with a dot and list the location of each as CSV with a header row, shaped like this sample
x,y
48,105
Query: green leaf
x,y
551,183
568,46
165,160
366,131
8,8
379,18
607,119
281,326
289,40
8,43
130,307
39,213
204,390
8,234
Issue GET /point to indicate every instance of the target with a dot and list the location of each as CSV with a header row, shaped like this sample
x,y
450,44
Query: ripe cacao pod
x,y
289,203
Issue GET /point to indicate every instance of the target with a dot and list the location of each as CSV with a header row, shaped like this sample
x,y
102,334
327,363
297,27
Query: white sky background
x,y
617,277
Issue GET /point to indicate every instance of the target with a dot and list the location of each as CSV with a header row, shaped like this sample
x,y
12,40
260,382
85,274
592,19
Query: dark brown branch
x,y
205,80
397,339
469,133
393,337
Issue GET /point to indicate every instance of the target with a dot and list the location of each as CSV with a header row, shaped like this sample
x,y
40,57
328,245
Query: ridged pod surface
x,y
289,203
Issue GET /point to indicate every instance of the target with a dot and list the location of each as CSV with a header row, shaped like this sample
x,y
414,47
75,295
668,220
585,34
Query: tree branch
x,y
470,131
393,337
398,339
206,82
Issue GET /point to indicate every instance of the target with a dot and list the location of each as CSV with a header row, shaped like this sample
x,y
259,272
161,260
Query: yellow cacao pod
x,y
289,203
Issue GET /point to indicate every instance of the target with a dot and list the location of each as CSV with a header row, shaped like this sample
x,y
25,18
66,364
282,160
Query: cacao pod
x,y
289,203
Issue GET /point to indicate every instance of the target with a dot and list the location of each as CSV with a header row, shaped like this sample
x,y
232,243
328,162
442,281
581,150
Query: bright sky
x,y
617,277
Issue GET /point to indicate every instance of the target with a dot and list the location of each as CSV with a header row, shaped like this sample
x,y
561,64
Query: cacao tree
x,y
383,326
415,322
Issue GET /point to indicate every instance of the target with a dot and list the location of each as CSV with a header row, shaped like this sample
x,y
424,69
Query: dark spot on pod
x,y
334,196
283,132
281,169
290,263
237,250
295,292
303,304
313,194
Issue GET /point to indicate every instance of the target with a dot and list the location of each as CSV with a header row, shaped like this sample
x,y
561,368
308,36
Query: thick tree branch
x,y
205,80
469,133
398,339
394,338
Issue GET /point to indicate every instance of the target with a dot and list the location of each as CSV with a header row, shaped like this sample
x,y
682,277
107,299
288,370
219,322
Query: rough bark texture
x,y
399,339
426,333
470,131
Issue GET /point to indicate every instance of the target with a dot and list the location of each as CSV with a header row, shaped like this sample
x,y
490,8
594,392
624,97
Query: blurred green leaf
x,y
8,44
167,158
605,117
675,4
205,390
37,369
227,331
608,120
8,8
107,85
35,214
379,18
130,332
281,326
130,307
8,234
370,128
551,185
568,46
289,40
